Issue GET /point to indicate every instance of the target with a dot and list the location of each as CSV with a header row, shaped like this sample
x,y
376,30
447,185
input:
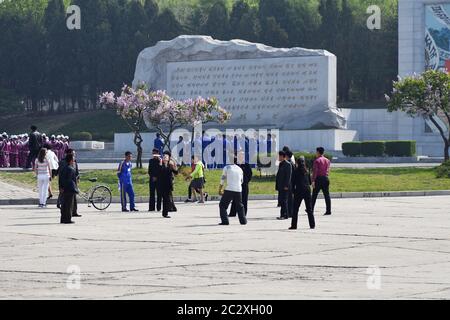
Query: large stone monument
x,y
262,86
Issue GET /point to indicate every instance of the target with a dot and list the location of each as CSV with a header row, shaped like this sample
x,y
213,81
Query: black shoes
x,y
77,215
327,214
49,197
282,218
224,224
70,222
125,210
135,210
167,217
293,228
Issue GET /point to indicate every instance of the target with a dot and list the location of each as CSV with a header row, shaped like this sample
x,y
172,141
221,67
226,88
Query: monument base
x,y
297,140
87,145
309,140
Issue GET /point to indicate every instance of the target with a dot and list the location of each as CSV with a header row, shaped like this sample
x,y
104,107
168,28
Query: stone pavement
x,y
11,192
391,248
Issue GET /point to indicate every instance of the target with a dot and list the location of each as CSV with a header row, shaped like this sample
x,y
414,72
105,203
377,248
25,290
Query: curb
x,y
334,195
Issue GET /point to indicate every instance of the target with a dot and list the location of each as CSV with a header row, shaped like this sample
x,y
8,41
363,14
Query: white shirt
x,y
52,160
234,178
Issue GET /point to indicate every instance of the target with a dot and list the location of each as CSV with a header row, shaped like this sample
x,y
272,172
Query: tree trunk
x,y
139,156
442,133
138,142
446,150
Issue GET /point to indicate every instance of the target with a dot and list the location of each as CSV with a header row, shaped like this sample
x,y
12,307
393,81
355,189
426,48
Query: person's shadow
x,y
34,224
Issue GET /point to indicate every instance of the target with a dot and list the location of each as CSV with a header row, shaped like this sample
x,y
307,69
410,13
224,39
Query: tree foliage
x,y
53,69
426,95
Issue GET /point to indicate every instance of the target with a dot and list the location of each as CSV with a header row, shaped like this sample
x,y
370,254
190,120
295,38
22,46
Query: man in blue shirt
x,y
159,144
126,183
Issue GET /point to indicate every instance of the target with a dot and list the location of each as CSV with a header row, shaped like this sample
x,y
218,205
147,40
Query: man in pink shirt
x,y
320,180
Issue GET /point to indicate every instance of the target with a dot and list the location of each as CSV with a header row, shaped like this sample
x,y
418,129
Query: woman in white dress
x,y
43,174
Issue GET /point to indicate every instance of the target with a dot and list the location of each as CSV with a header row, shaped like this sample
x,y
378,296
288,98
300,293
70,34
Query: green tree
x,y
217,24
345,51
273,34
426,95
169,27
244,22
56,51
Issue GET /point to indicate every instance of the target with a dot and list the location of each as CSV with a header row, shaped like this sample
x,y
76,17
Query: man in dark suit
x,y
283,184
289,156
248,174
63,163
154,167
69,189
34,145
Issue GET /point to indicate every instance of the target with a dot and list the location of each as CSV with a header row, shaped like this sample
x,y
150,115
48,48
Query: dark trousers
x,y
322,184
67,206
155,196
166,202
245,191
189,192
283,199
290,204
31,158
173,208
298,198
75,203
75,206
236,197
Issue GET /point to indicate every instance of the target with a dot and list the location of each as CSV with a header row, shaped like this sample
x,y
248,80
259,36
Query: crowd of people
x,y
48,157
20,151
294,184
52,157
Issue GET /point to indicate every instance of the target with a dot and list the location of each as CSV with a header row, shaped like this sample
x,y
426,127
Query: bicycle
x,y
99,196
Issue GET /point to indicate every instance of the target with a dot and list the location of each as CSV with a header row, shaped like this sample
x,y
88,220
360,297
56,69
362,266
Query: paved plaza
x,y
392,248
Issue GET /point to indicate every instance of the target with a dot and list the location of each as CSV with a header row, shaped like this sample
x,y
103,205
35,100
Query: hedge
x,y
405,148
351,149
373,148
443,171
81,136
401,148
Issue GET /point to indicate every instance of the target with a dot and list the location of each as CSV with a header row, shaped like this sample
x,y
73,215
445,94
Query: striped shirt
x,y
42,168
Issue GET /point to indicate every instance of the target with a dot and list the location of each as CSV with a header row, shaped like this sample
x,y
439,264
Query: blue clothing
x,y
124,172
126,184
124,190
159,144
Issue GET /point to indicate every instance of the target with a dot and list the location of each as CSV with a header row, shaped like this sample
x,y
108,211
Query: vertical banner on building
x,y
437,37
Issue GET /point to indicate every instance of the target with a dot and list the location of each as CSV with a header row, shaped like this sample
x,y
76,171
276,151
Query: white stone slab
x,y
261,86
87,145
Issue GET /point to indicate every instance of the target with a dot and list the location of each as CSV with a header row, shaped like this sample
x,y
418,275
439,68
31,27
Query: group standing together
x,y
294,184
20,151
51,158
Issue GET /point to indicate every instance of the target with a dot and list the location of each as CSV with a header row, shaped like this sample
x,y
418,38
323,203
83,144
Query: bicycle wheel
x,y
101,198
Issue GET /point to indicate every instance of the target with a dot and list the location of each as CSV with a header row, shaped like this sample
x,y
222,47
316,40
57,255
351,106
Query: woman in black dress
x,y
166,177
302,191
